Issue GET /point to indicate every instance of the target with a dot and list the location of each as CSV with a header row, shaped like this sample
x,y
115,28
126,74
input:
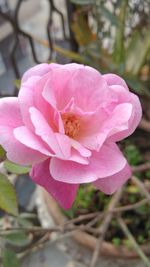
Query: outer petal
x,y
29,139
101,164
30,95
9,112
114,79
119,119
10,118
64,193
38,70
133,122
110,184
26,99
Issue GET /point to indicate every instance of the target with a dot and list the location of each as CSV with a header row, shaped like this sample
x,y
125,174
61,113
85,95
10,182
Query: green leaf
x,y
138,46
17,83
8,200
15,168
119,49
17,238
83,2
82,31
69,54
10,259
2,154
116,241
136,85
110,16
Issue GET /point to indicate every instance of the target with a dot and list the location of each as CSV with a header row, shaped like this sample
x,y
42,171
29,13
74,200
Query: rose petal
x,y
133,121
64,193
101,164
10,118
119,119
59,143
80,148
38,70
112,183
10,112
75,81
114,79
29,139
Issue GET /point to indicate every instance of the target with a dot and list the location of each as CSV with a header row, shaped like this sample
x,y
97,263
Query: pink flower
x,y
65,123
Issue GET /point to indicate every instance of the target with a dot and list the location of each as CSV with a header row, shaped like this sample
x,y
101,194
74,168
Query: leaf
x,y
17,83
24,222
136,85
69,54
110,16
138,46
2,154
81,29
15,168
10,259
17,238
83,2
119,49
8,200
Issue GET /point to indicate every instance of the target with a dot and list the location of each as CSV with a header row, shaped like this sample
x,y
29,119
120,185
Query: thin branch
x,y
82,218
141,168
131,206
145,125
141,186
104,226
133,241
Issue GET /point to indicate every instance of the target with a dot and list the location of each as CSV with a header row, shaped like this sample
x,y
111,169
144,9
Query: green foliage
x,y
88,199
119,48
80,25
113,20
116,241
8,200
110,16
147,174
17,238
141,239
83,2
17,84
10,259
83,201
133,154
138,45
15,168
2,154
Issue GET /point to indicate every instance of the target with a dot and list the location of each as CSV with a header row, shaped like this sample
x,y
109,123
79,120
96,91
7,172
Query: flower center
x,y
71,124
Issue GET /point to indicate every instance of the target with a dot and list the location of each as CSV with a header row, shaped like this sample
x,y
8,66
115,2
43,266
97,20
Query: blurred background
x,y
111,36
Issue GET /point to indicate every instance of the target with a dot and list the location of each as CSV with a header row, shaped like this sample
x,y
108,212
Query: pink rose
x,y
65,123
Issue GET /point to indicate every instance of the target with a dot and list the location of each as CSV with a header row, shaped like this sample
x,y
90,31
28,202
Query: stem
x,y
134,243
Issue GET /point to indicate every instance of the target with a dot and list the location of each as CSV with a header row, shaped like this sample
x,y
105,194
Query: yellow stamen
x,y
71,124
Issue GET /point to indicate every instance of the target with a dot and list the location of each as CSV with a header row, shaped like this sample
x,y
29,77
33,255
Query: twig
x,y
82,218
141,186
72,227
40,243
141,168
133,241
131,206
104,226
118,210
38,230
97,218
145,125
